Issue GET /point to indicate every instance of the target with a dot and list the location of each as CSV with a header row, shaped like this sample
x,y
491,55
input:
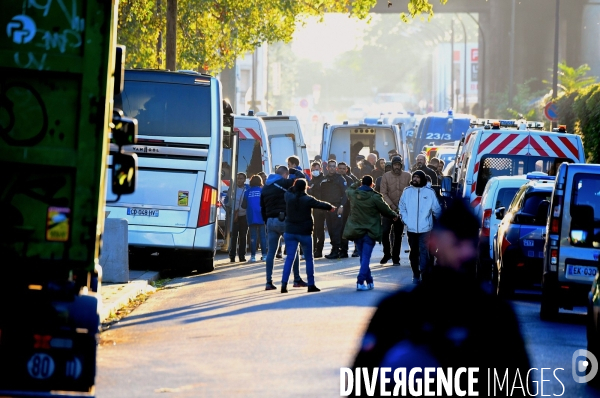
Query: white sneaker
x,y
361,287
263,258
252,259
370,286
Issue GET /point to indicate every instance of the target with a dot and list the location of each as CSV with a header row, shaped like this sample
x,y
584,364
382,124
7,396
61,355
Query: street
x,y
221,334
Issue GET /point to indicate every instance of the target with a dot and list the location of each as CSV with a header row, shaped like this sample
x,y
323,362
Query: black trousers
x,y
345,215
334,227
319,235
392,244
239,233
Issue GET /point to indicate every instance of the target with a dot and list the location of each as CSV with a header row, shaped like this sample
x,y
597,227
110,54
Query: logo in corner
x,y
582,360
21,29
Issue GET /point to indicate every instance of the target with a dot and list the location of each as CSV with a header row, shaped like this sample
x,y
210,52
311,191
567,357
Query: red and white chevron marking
x,y
247,133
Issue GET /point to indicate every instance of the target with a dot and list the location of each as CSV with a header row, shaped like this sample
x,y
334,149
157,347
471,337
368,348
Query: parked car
x,y
499,192
573,239
519,243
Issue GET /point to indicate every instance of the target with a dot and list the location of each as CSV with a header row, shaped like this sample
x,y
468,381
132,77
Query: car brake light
x,y
556,214
208,206
485,229
41,341
505,244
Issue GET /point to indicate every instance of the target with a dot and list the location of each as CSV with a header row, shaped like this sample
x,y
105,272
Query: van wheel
x,y
189,261
549,306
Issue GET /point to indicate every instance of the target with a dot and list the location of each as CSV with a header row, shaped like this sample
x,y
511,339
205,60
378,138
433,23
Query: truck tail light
x,y
208,206
553,258
556,215
485,229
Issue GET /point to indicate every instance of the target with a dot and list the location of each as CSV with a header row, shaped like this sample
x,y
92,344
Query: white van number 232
x,y
438,136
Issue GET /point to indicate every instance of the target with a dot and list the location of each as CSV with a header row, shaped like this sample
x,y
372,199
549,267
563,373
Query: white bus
x,y
180,142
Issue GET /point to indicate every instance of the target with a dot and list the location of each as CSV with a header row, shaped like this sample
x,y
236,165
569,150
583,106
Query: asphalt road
x,y
220,334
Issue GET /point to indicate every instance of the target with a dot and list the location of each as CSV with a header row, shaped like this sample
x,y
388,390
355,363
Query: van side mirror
x,y
500,212
124,170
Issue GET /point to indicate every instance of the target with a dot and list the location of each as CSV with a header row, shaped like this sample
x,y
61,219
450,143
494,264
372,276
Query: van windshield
x,y
249,157
167,109
347,143
282,147
513,165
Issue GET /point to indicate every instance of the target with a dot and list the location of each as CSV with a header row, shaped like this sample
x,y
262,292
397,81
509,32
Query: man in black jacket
x,y
299,228
272,207
314,189
342,170
441,331
420,165
333,190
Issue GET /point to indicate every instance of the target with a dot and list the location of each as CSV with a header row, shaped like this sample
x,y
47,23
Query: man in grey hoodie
x,y
418,205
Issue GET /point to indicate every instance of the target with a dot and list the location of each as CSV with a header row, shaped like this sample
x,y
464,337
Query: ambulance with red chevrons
x,y
509,148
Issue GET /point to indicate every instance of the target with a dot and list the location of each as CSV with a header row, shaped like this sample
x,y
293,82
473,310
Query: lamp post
x,y
555,74
452,63
482,57
465,66
511,55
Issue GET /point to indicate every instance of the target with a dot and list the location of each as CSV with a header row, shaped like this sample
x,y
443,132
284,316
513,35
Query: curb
x,y
117,295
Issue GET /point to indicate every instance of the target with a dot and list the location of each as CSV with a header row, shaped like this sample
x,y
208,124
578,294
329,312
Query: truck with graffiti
x,y
59,71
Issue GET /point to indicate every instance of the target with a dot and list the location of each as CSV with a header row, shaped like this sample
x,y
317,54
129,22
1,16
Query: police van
x,y
254,156
438,128
507,148
346,141
285,139
572,241
179,147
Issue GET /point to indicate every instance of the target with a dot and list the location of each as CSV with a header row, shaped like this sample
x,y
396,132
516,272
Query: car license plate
x,y
528,242
142,212
581,271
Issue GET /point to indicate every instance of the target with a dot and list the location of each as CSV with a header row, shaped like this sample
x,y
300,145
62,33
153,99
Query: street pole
x,y
555,74
512,56
482,58
465,67
452,63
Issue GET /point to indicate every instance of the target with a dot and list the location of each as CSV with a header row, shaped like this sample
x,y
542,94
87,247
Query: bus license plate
x,y
142,212
582,272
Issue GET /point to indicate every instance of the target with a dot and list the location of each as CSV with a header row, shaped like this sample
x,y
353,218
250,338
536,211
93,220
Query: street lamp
x,y
512,56
465,66
555,74
482,57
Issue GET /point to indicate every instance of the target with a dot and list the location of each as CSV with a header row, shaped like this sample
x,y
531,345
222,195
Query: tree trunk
x,y
172,35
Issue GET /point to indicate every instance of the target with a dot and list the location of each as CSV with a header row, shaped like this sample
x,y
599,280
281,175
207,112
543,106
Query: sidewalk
x,y
117,295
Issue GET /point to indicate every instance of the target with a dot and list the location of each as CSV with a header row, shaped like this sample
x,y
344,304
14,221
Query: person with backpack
x,y
298,230
256,224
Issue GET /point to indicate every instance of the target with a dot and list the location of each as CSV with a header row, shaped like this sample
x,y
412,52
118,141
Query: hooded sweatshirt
x,y
418,205
272,200
366,207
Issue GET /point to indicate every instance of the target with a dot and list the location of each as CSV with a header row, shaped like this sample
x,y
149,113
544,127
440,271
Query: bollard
x,y
114,256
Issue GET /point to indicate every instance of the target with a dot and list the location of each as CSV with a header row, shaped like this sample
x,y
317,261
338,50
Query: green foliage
x,y
526,102
211,34
587,109
571,79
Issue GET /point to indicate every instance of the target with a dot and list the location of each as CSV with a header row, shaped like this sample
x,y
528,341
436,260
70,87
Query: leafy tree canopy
x,y
211,34
571,79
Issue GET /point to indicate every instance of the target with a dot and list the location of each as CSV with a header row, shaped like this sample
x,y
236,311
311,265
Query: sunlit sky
x,y
323,41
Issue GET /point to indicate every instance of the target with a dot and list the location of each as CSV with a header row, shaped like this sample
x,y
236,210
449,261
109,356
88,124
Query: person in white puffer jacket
x,y
418,206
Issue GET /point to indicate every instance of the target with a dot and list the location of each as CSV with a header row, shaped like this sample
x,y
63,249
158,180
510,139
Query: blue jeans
x,y
275,229
257,231
291,243
365,247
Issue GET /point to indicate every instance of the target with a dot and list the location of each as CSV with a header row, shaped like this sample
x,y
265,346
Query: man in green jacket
x,y
364,225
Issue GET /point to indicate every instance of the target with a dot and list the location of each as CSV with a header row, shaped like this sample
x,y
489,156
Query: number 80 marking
x,y
40,366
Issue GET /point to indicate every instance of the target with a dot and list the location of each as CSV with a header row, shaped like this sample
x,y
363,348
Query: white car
x,y
499,192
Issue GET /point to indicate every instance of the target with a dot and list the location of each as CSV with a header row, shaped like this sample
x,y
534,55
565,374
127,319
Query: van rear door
x,y
174,126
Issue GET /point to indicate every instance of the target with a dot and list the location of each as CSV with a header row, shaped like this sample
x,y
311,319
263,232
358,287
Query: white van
x,y
285,139
509,148
572,248
254,156
180,141
346,141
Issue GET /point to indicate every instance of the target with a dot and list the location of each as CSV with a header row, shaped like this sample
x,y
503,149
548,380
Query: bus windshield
x,y
167,110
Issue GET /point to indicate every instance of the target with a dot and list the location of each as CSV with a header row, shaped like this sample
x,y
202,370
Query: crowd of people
x,y
373,201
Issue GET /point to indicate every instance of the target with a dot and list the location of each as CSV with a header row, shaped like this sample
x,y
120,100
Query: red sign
x,y
315,118
474,55
456,55
551,111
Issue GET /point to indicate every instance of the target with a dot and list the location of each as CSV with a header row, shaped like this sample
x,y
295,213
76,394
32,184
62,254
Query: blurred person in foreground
x,y
448,321
364,225
298,230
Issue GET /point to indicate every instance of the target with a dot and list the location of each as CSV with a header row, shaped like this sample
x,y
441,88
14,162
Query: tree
x,y
572,79
211,34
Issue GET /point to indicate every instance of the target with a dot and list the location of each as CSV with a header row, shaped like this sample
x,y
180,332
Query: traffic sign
x,y
304,103
315,118
551,111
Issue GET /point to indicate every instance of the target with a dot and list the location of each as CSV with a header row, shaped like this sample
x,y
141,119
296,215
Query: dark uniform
x,y
333,190
345,215
314,189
